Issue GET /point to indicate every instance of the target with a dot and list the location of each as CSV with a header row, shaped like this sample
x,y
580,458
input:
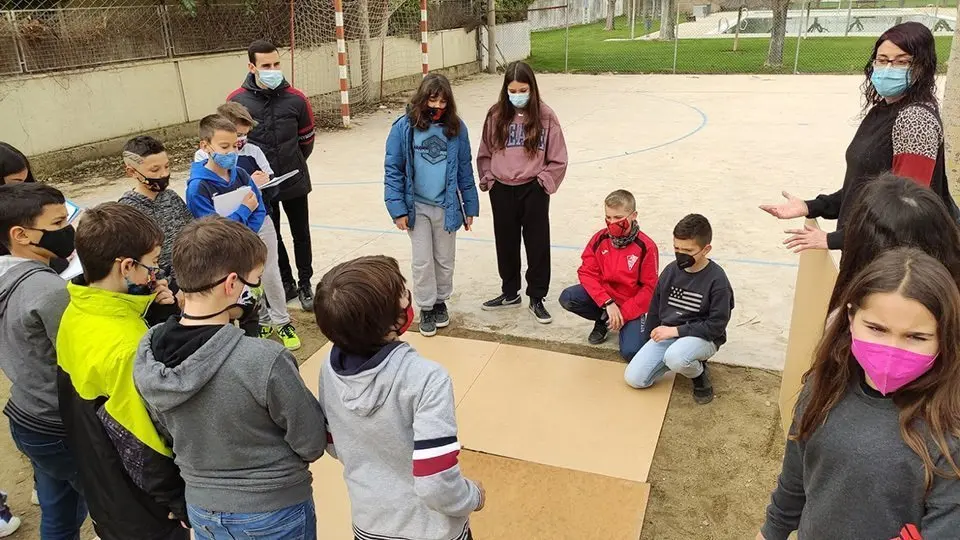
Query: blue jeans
x,y
62,508
576,300
297,522
681,355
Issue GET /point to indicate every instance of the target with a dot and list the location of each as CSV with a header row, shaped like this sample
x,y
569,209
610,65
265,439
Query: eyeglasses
x,y
897,62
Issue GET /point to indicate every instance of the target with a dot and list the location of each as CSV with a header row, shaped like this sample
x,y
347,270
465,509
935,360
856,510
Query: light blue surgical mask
x,y
891,81
227,161
271,78
520,101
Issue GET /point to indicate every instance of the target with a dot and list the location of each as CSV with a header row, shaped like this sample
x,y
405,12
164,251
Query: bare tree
x,y
611,14
951,112
778,34
668,20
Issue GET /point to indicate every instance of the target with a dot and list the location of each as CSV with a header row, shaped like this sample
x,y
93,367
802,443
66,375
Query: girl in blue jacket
x,y
430,192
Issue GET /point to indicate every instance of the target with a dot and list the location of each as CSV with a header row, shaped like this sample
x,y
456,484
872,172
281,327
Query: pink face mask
x,y
890,368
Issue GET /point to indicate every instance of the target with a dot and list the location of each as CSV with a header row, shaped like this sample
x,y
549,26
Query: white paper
x,y
74,269
280,179
227,203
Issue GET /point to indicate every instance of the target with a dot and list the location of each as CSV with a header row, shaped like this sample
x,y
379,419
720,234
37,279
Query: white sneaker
x,y
34,500
8,527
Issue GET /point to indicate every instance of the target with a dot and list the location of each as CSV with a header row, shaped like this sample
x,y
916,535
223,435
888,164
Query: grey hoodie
x,y
32,300
392,424
243,425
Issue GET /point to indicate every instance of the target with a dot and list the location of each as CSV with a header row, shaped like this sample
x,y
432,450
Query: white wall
x,y
577,12
56,111
513,42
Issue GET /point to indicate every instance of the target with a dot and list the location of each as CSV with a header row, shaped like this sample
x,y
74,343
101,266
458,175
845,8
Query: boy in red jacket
x,y
617,277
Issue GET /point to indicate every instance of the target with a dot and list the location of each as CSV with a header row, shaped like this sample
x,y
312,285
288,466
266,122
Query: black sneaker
x,y
702,387
428,325
501,302
290,291
441,317
306,297
599,333
540,312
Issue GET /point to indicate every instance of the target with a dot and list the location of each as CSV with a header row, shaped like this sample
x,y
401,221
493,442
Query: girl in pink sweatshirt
x,y
521,162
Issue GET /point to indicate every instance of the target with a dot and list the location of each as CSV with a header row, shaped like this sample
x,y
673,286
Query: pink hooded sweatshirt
x,y
513,165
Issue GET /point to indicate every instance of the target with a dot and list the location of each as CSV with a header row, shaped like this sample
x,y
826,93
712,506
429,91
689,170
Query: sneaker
x,y
288,335
306,297
441,317
428,324
290,291
702,388
540,312
266,331
500,302
9,523
599,333
34,498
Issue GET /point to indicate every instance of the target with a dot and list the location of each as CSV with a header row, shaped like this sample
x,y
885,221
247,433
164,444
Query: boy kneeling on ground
x,y
688,316
617,277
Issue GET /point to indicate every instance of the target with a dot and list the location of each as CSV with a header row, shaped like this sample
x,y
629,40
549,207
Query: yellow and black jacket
x,y
129,478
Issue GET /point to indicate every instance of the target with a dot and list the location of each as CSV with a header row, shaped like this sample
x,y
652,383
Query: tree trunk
x,y
668,20
951,112
611,14
777,35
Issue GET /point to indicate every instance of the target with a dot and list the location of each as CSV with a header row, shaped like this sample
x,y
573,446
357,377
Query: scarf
x,y
621,242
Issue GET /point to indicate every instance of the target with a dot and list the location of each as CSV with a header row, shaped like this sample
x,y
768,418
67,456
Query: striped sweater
x,y
391,423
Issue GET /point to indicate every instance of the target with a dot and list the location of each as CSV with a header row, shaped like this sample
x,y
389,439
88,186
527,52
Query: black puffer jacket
x,y
284,131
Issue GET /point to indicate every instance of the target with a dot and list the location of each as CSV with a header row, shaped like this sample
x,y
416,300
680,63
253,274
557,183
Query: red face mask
x,y
436,113
619,228
409,320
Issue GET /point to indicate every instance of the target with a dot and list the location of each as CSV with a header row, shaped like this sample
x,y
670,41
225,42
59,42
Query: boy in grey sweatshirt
x,y
34,229
390,411
244,427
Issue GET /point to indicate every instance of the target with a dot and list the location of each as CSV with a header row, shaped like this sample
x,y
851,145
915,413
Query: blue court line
x,y
462,238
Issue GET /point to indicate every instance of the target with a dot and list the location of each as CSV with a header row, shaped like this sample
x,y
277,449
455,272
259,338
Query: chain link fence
x,y
725,36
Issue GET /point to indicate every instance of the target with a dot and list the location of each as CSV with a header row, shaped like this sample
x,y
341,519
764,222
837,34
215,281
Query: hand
x,y
468,223
793,208
402,223
164,296
661,333
615,318
250,201
806,238
483,496
484,186
260,178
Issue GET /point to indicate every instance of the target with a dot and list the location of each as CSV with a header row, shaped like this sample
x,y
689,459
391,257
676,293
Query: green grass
x,y
589,53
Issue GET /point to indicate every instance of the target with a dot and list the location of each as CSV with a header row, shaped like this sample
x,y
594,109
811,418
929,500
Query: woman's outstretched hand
x,y
793,208
806,238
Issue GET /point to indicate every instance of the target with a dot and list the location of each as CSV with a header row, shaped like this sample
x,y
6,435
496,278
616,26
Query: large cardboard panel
x,y
529,501
332,500
815,280
563,410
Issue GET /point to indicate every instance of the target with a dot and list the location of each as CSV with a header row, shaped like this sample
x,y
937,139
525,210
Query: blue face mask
x,y
891,81
271,78
520,101
227,161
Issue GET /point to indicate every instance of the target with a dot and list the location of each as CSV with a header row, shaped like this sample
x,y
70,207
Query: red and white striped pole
x,y
342,63
423,37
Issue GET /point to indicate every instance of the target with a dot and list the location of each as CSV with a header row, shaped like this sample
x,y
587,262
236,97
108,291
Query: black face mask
x,y
155,185
58,242
249,301
685,261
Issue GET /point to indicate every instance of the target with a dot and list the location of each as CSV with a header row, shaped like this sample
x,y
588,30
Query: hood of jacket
x,y
106,303
363,384
199,171
250,84
169,387
13,270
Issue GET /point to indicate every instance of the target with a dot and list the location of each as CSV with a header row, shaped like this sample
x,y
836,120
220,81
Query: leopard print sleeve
x,y
917,136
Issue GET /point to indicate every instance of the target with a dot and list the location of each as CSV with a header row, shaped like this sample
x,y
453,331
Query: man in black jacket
x,y
285,133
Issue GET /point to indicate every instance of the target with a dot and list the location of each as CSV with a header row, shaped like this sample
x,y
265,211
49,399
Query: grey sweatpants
x,y
434,250
274,310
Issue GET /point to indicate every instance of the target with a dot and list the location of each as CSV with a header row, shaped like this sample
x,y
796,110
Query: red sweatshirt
x,y
627,275
513,165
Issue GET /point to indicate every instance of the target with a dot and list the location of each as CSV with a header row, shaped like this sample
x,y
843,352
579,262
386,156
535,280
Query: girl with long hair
x,y
14,166
430,192
873,451
901,132
522,161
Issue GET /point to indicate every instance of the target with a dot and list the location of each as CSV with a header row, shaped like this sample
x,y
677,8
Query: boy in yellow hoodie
x,y
133,487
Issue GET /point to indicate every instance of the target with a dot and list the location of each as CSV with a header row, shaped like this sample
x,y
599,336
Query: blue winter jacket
x,y
204,184
460,199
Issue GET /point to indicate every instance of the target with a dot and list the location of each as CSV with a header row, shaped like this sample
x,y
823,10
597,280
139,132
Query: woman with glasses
x,y
901,132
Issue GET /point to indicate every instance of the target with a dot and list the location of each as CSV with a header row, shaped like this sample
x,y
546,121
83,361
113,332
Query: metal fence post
x,y
846,28
492,36
676,34
800,24
566,37
633,19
